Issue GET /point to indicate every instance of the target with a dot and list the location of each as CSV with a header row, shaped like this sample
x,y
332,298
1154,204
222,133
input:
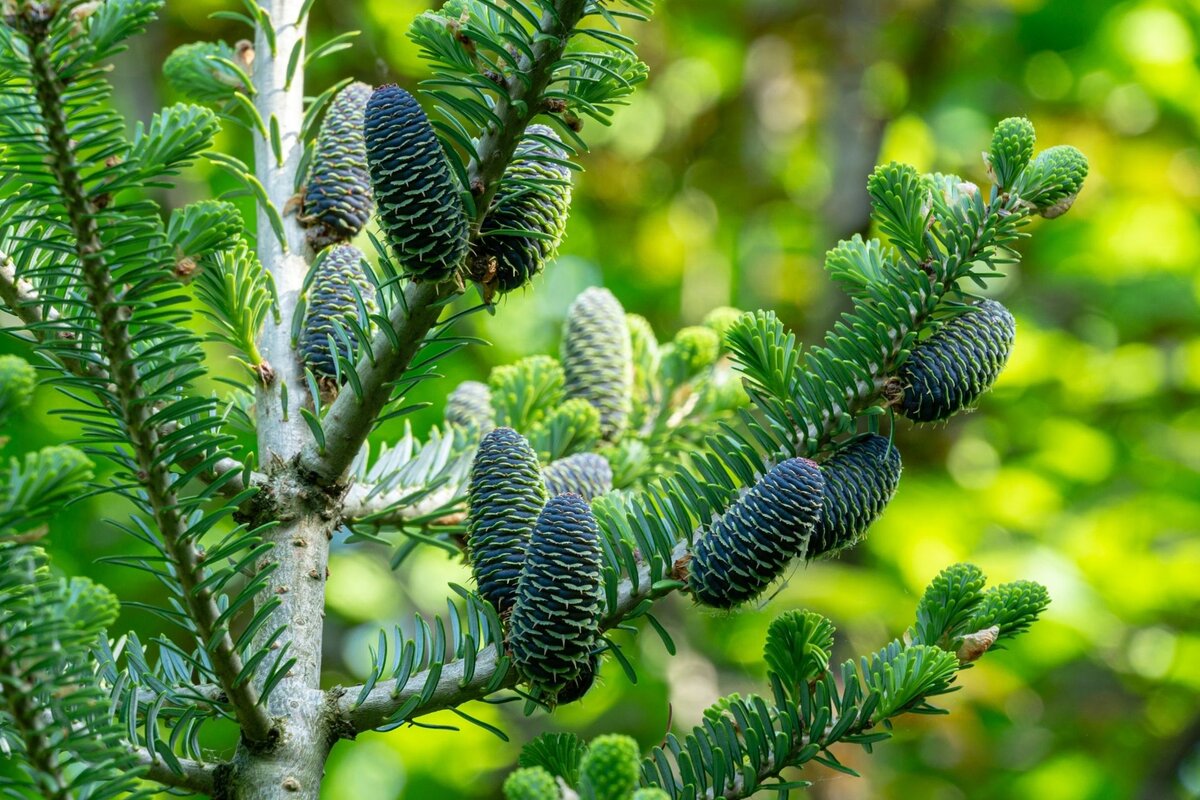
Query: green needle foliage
x,y
707,464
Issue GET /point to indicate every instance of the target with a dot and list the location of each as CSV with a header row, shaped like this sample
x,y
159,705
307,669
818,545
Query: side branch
x,y
386,698
194,777
351,418
129,402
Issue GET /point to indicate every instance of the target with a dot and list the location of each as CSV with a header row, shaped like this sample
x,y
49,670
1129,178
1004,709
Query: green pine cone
x,y
644,354
337,197
721,319
534,196
470,406
585,474
420,209
749,545
610,767
18,379
505,496
1012,147
334,295
556,616
530,783
1053,179
860,480
950,370
597,359
192,70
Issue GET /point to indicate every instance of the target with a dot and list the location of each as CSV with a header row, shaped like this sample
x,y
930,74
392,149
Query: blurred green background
x,y
741,161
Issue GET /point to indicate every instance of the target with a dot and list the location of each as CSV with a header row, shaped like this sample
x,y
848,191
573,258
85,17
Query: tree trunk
x,y
291,766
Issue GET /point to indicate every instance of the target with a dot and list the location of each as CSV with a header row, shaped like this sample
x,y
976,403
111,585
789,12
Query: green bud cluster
x,y
1012,147
196,71
610,767
18,379
1052,180
530,783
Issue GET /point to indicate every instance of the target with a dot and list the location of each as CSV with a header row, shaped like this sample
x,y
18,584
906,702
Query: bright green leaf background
x,y
740,162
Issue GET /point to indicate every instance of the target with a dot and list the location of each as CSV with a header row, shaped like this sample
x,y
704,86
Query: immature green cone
x,y
556,616
610,767
531,783
644,354
585,474
1012,147
194,71
535,196
950,370
505,496
333,298
749,545
420,209
721,319
693,349
1053,180
18,379
337,197
597,360
860,480
470,405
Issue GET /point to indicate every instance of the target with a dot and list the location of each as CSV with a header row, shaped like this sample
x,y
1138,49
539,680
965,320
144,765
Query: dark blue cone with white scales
x,y
337,196
586,474
749,546
338,286
505,496
555,620
420,208
860,480
952,368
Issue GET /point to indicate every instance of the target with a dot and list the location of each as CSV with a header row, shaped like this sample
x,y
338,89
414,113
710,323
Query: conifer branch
x,y
382,702
30,724
351,417
192,776
127,396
